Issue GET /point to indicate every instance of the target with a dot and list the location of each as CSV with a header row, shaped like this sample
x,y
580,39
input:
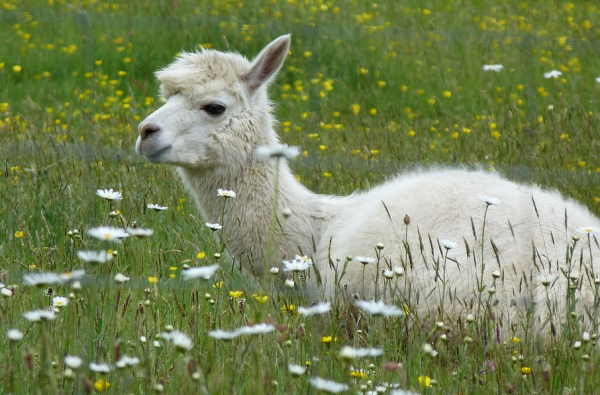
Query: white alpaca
x,y
217,113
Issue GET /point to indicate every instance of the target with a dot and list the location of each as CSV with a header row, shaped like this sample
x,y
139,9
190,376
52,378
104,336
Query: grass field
x,y
370,89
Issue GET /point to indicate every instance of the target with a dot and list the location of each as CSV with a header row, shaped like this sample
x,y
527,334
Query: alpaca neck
x,y
250,231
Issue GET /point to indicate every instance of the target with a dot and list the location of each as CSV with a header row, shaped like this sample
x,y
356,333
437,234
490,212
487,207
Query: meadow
x,y
369,89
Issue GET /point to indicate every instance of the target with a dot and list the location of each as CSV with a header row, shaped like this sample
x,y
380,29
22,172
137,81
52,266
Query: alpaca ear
x,y
267,63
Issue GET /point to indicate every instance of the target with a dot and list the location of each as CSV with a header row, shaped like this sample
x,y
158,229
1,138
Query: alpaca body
x,y
217,113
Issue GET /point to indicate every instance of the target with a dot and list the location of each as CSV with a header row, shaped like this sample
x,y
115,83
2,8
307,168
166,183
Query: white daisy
x,y
126,361
493,67
428,349
266,152
290,283
245,330
203,272
389,274
108,233
14,335
42,279
588,230
298,264
378,308
121,278
328,385
109,194
73,275
94,256
552,74
100,367
489,200
365,260
274,270
296,370
73,361
213,226
39,315
60,301
447,244
139,232
348,352
179,339
156,207
399,271
320,308
226,193
6,292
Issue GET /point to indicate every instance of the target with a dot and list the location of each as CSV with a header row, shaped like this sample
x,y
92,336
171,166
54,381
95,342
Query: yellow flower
x,y
201,255
288,308
307,54
373,111
411,133
525,370
328,339
426,11
260,298
101,385
152,279
19,234
363,71
327,174
425,381
381,84
360,374
515,339
355,108
121,73
447,94
17,69
236,294
218,284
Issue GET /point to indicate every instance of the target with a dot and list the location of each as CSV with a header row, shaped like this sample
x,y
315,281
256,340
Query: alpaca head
x,y
216,111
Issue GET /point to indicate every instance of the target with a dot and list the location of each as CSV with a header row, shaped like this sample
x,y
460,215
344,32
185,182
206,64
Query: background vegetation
x,y
370,89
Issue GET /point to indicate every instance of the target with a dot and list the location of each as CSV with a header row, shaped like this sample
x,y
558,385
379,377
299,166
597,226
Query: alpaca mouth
x,y
153,157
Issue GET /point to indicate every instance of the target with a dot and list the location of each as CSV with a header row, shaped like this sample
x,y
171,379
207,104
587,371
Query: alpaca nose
x,y
148,129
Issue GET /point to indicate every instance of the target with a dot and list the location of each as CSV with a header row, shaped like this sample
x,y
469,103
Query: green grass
x,y
76,78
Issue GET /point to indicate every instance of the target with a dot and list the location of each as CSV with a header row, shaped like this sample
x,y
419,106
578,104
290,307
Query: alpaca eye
x,y
214,109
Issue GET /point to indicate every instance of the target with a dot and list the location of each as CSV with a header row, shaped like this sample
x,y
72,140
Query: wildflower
x,y
588,230
203,272
428,349
121,278
298,264
100,367
274,270
6,292
328,339
552,74
152,279
42,279
598,80
525,370
286,212
156,207
108,233
328,385
365,260
226,193
355,109
447,244
260,298
73,361
399,271
276,151
496,274
360,374
296,370
14,335
140,232
378,308
493,67
585,336
425,381
319,308
348,352
109,194
101,385
19,234
245,330
213,226
94,256
39,315
236,294
60,301
489,200
126,361
577,345
179,339
290,283
389,274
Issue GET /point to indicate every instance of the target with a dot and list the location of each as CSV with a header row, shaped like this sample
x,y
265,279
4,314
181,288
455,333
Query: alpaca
x,y
448,246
